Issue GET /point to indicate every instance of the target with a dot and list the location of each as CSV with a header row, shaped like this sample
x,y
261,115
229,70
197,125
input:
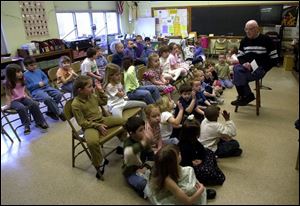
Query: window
x,y
112,27
73,25
66,26
83,24
99,21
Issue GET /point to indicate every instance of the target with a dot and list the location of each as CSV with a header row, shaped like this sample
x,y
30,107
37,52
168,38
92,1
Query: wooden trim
x,y
189,19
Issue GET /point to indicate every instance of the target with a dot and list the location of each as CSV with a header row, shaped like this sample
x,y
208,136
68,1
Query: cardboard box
x,y
288,62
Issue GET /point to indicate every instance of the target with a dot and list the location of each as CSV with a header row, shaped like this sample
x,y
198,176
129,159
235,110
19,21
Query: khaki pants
x,y
93,138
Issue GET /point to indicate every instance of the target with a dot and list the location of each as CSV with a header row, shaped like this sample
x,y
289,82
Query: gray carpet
x,y
38,170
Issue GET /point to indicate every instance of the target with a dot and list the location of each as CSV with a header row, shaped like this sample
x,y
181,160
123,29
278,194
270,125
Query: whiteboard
x,y
145,26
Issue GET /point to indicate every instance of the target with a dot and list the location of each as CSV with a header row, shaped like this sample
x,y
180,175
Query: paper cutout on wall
x,y
164,29
34,18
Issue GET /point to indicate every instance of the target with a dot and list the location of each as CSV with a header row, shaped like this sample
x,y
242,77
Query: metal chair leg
x,y
3,131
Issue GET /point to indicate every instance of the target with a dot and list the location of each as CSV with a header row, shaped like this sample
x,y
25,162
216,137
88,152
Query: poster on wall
x,y
34,18
171,22
289,16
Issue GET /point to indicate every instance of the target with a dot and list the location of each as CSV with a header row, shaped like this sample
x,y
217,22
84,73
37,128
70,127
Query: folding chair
x,y
109,58
3,131
79,140
140,70
257,89
53,82
233,43
76,67
8,115
220,46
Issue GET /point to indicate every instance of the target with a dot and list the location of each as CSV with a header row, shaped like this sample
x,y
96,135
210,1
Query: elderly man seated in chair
x,y
257,55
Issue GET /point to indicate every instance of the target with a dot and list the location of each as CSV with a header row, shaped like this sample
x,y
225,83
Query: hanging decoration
x,y
34,18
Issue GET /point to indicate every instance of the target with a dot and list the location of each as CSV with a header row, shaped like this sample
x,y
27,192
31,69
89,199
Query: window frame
x,y
90,12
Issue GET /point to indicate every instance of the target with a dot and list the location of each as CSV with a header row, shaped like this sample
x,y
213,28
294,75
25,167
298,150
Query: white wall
x,y
13,27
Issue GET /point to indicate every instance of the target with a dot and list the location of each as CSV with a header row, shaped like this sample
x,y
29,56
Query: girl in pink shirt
x,y
174,61
17,99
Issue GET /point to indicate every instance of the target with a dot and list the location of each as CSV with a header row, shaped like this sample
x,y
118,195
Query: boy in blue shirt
x,y
189,102
101,61
37,84
119,55
199,55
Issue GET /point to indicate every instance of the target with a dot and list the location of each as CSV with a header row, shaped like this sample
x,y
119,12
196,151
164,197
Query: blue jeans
x,y
68,87
227,148
242,76
138,183
50,96
149,94
226,83
22,106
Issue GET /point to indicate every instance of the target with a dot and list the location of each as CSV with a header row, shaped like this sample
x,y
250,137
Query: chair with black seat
x,y
258,104
10,116
4,132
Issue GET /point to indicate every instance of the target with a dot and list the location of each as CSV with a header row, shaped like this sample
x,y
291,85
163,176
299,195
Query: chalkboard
x,y
229,20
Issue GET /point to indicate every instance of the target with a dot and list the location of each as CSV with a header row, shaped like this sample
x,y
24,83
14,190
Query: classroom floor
x,y
39,169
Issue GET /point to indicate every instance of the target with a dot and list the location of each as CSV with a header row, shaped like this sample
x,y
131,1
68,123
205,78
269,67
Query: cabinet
x,y
79,48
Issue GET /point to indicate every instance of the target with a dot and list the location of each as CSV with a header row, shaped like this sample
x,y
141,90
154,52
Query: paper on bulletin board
x,y
164,29
177,31
184,34
163,14
171,30
173,11
169,21
181,12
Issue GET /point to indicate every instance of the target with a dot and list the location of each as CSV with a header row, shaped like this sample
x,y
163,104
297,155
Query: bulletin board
x,y
34,18
171,21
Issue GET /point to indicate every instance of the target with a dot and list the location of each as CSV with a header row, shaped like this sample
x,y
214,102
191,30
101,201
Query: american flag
x,y
120,7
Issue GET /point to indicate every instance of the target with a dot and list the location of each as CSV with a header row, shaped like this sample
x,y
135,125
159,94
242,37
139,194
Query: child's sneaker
x,y
43,127
52,115
220,101
27,130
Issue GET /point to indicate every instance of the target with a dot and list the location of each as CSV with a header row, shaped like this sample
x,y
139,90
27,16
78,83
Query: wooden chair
x,y
257,89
